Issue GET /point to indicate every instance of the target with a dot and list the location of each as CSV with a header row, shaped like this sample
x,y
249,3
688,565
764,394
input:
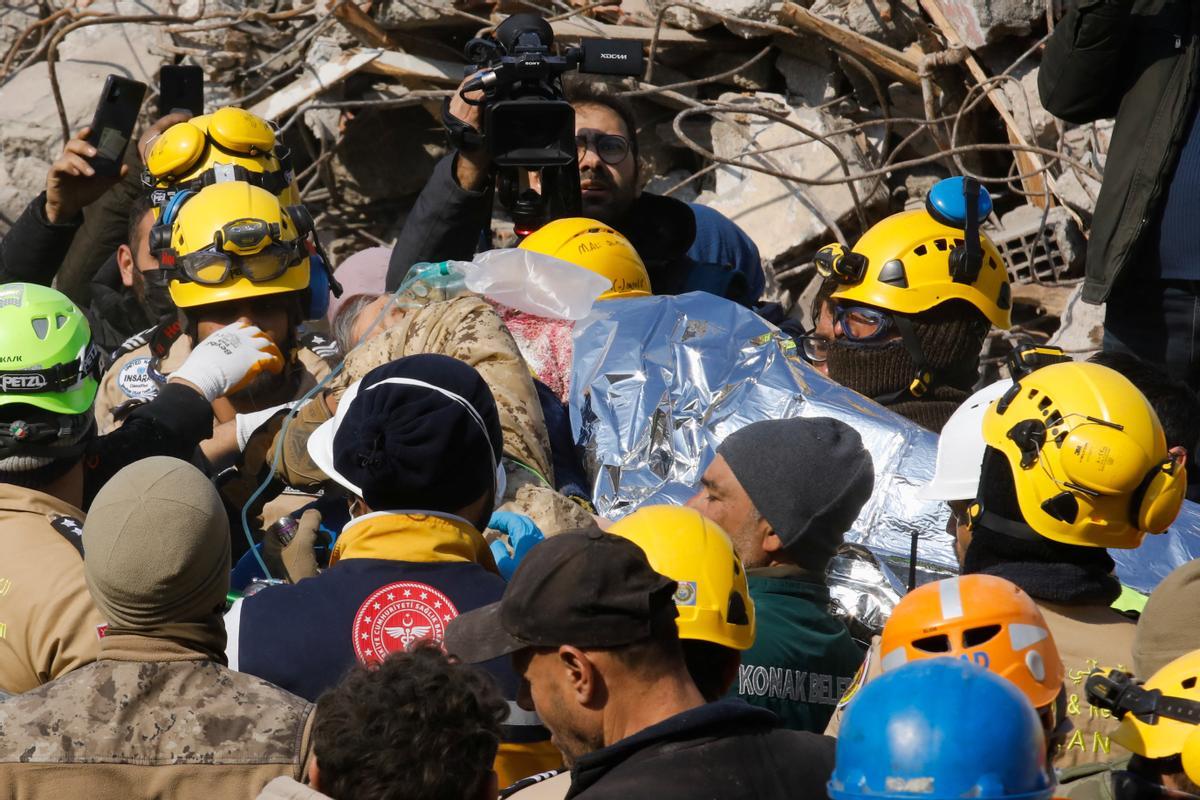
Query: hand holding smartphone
x,y
113,123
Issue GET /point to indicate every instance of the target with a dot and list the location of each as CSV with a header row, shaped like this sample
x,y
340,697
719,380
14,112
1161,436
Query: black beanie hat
x,y
809,477
415,447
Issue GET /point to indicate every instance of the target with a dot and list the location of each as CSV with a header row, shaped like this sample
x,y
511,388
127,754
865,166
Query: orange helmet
x,y
980,618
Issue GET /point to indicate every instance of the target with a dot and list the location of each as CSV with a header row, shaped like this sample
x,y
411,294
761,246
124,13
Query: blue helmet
x,y
941,729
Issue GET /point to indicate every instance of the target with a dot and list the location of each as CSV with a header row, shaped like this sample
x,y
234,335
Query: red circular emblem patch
x,y
396,615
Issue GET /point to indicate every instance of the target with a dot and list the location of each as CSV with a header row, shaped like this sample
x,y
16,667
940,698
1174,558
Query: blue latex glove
x,y
523,533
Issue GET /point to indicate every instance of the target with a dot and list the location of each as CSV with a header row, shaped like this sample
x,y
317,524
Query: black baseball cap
x,y
585,588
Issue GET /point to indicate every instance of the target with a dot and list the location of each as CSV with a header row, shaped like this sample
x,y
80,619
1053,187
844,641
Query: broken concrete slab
x,y
982,22
808,83
760,203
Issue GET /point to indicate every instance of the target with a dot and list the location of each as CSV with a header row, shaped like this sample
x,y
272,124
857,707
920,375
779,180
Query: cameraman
x,y
685,247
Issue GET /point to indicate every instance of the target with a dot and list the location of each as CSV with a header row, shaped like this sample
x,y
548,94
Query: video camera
x,y
527,122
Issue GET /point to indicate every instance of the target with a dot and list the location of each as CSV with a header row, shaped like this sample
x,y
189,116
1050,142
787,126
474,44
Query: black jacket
x,y
447,222
173,424
1136,60
34,248
719,751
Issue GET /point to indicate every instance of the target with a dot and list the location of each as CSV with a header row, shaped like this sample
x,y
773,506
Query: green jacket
x,y
1135,60
803,658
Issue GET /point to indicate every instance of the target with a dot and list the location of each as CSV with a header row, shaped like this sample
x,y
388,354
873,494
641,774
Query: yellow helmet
x,y
903,264
231,241
1088,456
713,598
231,144
595,247
1157,735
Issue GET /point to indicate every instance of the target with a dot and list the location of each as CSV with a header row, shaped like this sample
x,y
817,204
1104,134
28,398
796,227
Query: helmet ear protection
x,y
180,147
1154,503
961,203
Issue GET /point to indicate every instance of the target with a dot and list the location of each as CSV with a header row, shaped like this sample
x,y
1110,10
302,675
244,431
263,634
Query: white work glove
x,y
248,424
229,360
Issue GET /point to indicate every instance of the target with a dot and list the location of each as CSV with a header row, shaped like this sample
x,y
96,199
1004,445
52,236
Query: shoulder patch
x,y
324,346
136,380
396,615
860,678
70,529
132,343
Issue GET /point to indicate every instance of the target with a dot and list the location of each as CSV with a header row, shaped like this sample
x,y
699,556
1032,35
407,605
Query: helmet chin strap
x,y
924,379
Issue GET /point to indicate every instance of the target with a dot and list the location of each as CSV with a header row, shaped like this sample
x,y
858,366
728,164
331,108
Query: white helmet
x,y
961,448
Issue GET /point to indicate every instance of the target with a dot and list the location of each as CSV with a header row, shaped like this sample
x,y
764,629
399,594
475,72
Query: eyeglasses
x,y
212,266
862,323
815,347
611,148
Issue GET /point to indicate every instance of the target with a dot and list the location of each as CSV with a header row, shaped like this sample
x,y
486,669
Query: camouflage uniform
x,y
469,329
48,623
168,723
134,377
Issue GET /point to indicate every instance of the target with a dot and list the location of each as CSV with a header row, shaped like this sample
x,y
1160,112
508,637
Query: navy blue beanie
x,y
413,447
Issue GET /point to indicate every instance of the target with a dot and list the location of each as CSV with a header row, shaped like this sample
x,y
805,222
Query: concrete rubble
x,y
853,71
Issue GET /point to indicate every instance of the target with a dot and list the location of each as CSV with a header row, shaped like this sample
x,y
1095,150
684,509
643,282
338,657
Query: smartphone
x,y
113,123
180,88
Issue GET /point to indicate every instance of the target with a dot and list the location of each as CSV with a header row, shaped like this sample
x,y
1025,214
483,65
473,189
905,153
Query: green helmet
x,y
47,359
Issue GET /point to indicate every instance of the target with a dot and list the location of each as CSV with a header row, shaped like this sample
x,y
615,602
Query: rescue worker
x,y
591,629
916,732
1165,633
716,614
1076,462
786,520
231,252
917,296
158,714
417,444
982,619
52,464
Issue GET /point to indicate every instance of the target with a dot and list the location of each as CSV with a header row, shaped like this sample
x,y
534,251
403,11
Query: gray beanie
x,y
808,477
156,546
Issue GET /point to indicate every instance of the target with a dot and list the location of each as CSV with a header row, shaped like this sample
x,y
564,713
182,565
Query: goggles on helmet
x,y
862,323
59,378
1119,693
214,265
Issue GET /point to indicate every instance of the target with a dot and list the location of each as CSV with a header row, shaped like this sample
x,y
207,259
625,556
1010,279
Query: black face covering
x,y
155,297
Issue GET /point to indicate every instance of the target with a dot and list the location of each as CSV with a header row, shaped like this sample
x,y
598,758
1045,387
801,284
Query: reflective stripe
x,y
896,658
1022,635
233,631
951,596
